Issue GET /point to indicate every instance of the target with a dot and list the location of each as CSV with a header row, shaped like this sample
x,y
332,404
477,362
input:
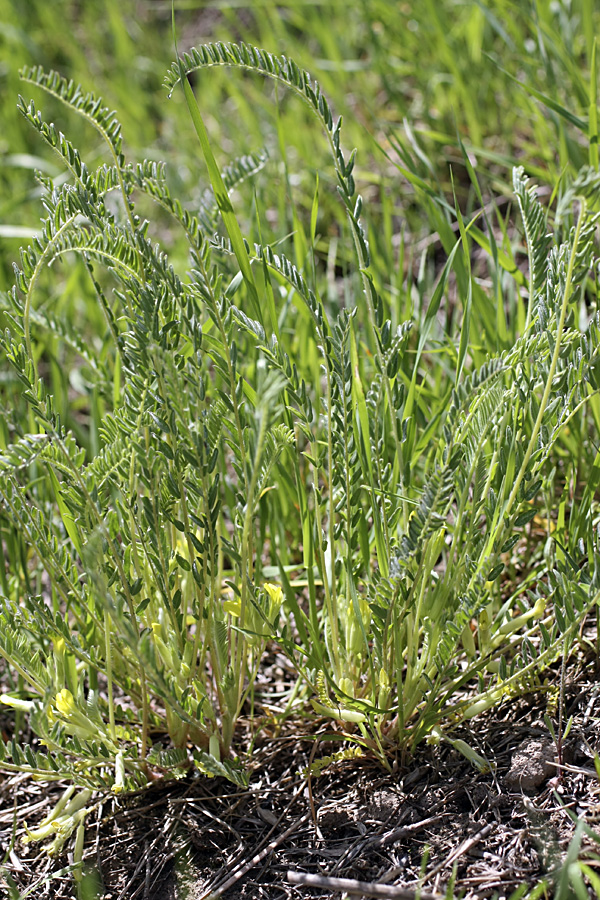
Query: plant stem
x,y
108,656
239,644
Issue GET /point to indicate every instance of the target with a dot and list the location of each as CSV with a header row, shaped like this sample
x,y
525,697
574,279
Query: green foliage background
x,y
422,455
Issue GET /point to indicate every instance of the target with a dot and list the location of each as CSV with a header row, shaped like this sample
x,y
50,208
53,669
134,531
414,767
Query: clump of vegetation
x,y
239,462
219,451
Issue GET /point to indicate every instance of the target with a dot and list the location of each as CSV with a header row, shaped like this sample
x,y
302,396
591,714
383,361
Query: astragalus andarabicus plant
x,y
236,498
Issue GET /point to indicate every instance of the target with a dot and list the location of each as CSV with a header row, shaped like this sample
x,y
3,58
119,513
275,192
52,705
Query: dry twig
x,y
360,888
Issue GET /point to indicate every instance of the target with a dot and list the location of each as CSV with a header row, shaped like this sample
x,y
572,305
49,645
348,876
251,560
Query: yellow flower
x,y
16,702
275,594
233,607
73,718
65,703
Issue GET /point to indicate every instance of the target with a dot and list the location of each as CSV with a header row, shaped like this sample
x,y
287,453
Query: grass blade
x,y
220,191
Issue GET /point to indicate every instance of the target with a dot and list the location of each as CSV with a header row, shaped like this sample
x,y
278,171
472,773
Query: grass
x,y
360,422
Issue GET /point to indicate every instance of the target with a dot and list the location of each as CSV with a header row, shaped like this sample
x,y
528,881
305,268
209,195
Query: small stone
x,y
334,816
383,805
531,764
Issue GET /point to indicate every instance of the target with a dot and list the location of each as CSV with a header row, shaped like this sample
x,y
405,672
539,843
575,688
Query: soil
x,y
287,837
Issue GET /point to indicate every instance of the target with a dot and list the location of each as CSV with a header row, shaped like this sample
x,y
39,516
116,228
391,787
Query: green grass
x,y
359,422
